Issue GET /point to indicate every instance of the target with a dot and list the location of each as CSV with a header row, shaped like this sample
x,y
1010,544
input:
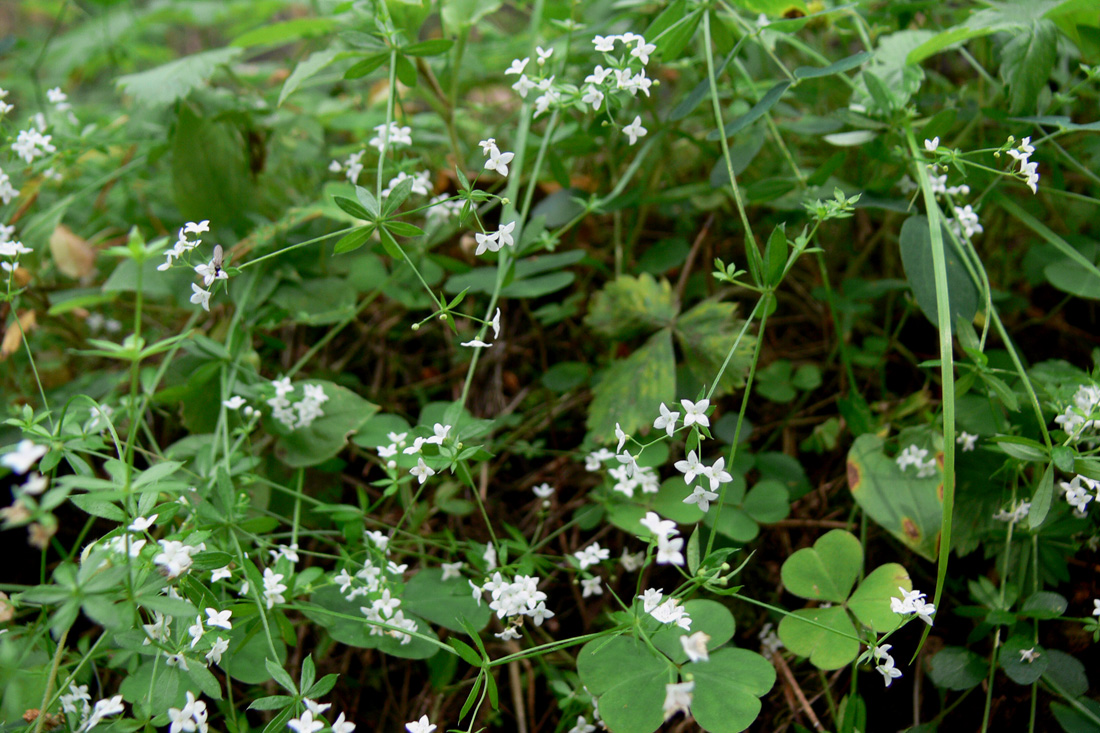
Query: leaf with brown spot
x,y
72,254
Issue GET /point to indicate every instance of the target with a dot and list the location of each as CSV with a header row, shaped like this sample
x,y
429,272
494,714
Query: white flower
x,y
421,470
695,646
306,723
273,588
888,670
499,161
717,474
142,523
211,272
592,586
651,599
523,85
452,570
543,491
591,555
1029,655
103,708
605,43
396,135
196,228
31,144
509,634
696,412
200,297
634,131
543,55
420,726
487,242
598,75
216,652
702,497
220,573
196,631
517,66
678,698
690,467
342,726
631,561
495,323
593,97
582,725
315,707
25,455
667,420
931,145
219,619
475,344
504,232
642,50
967,441
56,96
668,551
36,483
659,527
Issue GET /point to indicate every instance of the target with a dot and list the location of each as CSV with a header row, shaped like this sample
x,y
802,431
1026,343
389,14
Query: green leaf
x,y
908,507
837,67
632,389
916,256
827,571
767,502
322,686
1068,276
628,680
728,688
1067,672
1044,605
397,196
138,688
406,72
281,676
1040,502
775,256
433,47
447,604
956,668
710,617
465,651
317,301
309,672
1027,61
393,249
769,100
98,507
165,84
305,69
345,412
1012,661
831,647
271,702
362,68
705,334
871,601
631,306
403,228
458,14
210,169
284,32
354,208
353,240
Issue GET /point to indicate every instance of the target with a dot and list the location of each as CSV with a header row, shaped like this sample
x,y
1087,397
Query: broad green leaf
x,y
1069,277
443,603
459,14
956,668
908,507
631,307
1014,664
1002,17
305,69
1044,605
1040,501
628,679
245,661
916,256
1067,672
317,302
710,617
631,390
345,412
284,32
889,66
828,648
728,688
169,691
871,601
767,502
827,571
165,84
1027,61
705,334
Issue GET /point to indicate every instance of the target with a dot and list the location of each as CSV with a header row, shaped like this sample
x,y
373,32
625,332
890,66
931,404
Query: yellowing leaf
x,y
72,254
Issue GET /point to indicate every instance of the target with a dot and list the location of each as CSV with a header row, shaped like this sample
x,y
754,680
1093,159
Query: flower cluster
x,y
311,721
4,106
1028,171
1079,492
493,242
7,190
1015,514
967,441
300,414
190,718
514,599
396,135
884,664
913,602
31,144
1075,419
914,456
8,246
669,546
678,697
965,222
421,183
666,610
